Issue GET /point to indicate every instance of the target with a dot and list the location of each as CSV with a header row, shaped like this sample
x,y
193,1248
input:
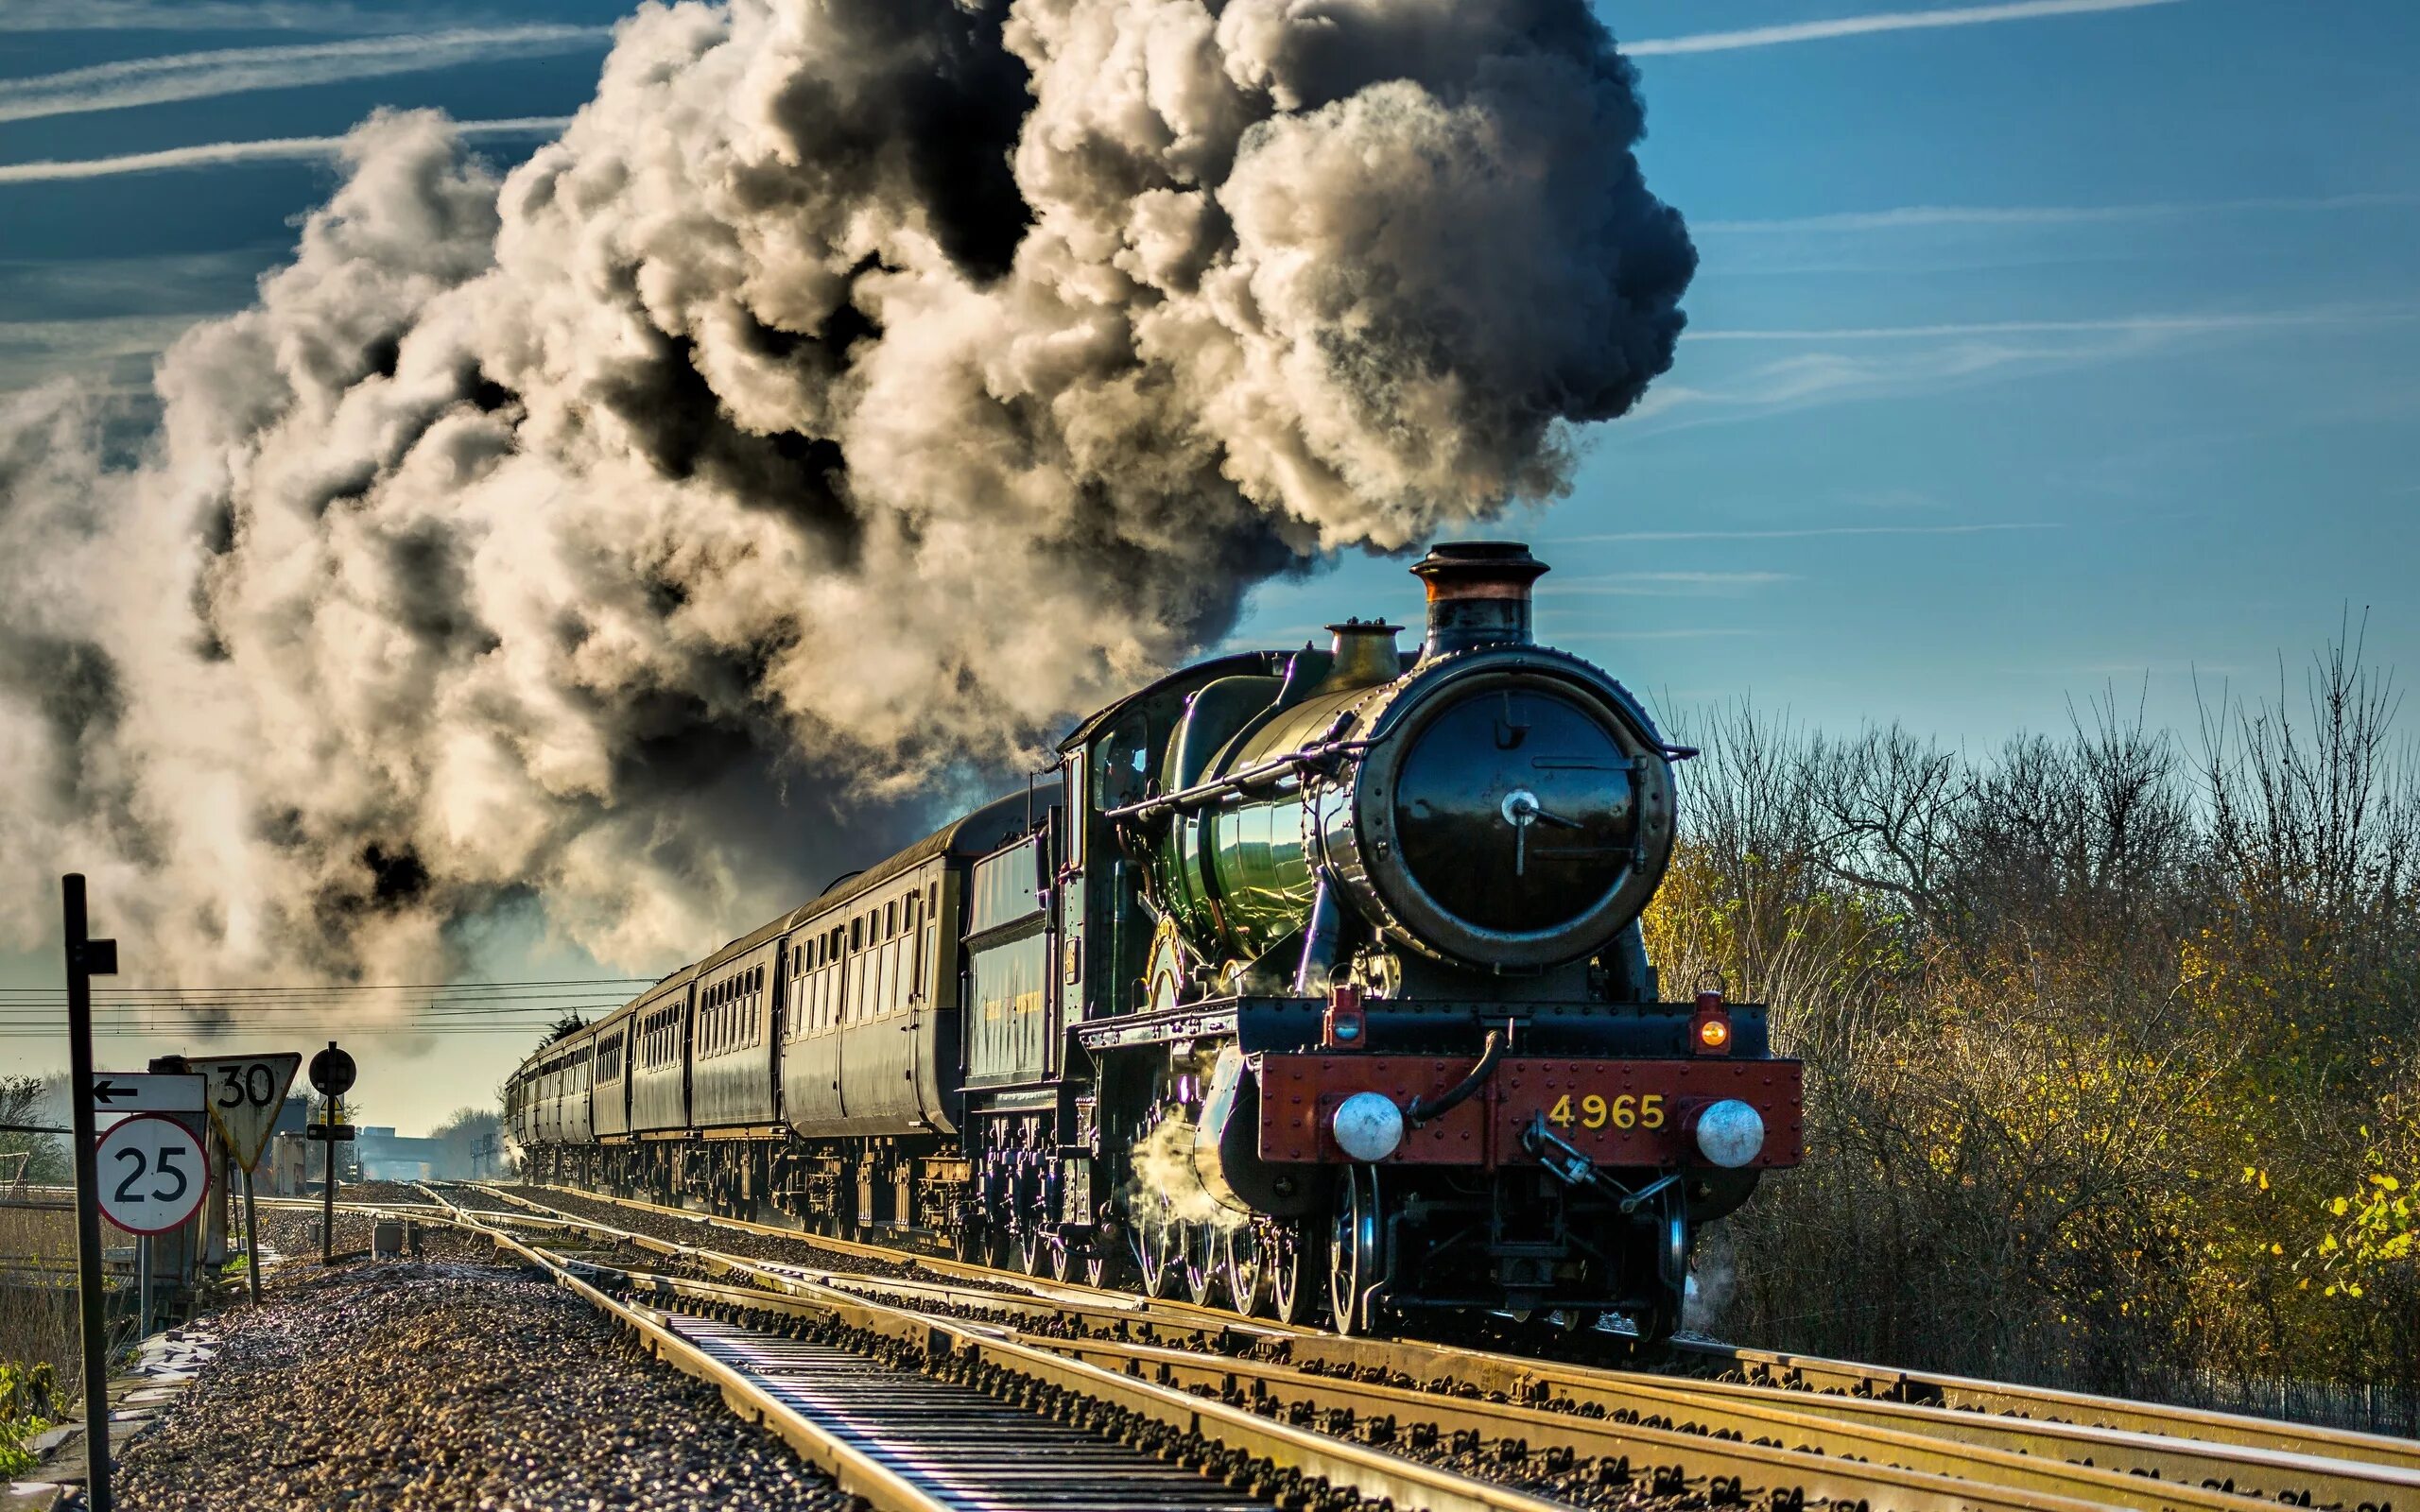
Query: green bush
x,y
28,1403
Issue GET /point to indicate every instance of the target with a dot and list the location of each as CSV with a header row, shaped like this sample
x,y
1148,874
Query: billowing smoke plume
x,y
857,389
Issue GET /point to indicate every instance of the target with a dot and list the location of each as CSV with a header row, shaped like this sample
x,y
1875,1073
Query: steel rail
x,y
1112,1310
2278,1474
1799,1372
1209,1383
1372,1473
348,1205
1823,1405
1802,1420
1044,1286
1918,1471
2264,1469
854,1471
1892,1469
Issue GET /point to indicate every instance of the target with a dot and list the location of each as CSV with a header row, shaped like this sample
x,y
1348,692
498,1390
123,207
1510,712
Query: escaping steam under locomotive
x,y
1311,981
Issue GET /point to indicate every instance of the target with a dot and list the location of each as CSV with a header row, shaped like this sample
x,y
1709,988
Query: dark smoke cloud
x,y
856,391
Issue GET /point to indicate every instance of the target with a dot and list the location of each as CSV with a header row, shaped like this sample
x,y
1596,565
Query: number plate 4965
x,y
1594,1111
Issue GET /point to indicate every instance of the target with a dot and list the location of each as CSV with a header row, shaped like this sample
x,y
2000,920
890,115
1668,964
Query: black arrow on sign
x,y
110,1092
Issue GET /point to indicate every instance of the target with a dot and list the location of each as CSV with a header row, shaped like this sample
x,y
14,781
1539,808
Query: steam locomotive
x,y
1307,981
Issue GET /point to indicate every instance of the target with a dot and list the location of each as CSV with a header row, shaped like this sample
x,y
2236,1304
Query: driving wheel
x,y
1356,1249
1245,1260
1204,1273
1158,1247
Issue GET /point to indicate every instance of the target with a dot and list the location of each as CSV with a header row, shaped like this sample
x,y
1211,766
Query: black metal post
x,y
252,1239
328,1181
88,1201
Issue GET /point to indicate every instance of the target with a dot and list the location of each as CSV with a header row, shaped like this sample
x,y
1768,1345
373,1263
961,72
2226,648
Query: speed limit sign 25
x,y
152,1174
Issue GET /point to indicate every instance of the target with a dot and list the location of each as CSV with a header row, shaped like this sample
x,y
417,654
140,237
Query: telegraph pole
x,y
88,958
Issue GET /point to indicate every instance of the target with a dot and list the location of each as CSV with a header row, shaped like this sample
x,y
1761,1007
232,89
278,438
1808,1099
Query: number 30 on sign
x,y
152,1174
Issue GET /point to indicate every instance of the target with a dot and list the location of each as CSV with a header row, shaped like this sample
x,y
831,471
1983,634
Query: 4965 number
x,y
1594,1111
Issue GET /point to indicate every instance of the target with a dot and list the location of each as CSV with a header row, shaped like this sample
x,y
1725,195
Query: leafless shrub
x,y
2097,1035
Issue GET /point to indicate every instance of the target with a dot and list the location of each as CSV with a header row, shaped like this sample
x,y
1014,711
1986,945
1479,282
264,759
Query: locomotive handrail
x,y
1321,757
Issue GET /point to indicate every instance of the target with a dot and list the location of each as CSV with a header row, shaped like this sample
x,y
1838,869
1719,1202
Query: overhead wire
x,y
441,1009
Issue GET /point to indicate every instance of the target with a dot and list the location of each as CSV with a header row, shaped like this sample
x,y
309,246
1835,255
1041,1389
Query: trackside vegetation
x,y
2114,1077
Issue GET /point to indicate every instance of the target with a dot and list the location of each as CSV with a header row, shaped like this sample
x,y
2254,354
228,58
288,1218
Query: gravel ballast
x,y
294,1235
444,1385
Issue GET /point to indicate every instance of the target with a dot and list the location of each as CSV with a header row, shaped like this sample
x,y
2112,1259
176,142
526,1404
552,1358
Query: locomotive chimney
x,y
1479,595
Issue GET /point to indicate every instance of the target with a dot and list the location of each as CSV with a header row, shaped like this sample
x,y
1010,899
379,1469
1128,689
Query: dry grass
x,y
38,1237
37,1297
38,1326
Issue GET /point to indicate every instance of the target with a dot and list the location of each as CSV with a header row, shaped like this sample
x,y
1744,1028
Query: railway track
x,y
915,1413
1836,1379
1786,1432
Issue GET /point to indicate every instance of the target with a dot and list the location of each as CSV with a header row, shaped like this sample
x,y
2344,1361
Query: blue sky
x,y
2089,331
2070,346
2093,336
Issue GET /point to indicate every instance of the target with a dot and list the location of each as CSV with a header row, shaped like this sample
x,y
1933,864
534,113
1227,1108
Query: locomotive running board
x,y
1572,1028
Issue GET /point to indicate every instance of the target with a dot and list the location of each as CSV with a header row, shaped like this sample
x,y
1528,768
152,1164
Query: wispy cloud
x,y
276,149
1807,533
1919,218
201,15
1665,585
239,70
1718,42
163,283
1848,363
2152,325
1695,632
37,352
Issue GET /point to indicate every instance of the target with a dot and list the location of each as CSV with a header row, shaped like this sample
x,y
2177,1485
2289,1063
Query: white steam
x,y
1159,1165
856,390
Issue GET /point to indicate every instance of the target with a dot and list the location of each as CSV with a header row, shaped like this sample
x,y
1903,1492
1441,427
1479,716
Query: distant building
x,y
387,1155
290,1166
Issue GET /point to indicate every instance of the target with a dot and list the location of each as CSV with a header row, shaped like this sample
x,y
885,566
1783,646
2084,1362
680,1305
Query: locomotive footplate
x,y
1619,1113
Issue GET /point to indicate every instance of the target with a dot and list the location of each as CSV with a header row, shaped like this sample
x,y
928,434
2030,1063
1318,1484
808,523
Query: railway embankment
x,y
434,1384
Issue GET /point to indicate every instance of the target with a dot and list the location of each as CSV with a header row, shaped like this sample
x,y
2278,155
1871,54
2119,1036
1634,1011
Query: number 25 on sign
x,y
152,1174
1595,1111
